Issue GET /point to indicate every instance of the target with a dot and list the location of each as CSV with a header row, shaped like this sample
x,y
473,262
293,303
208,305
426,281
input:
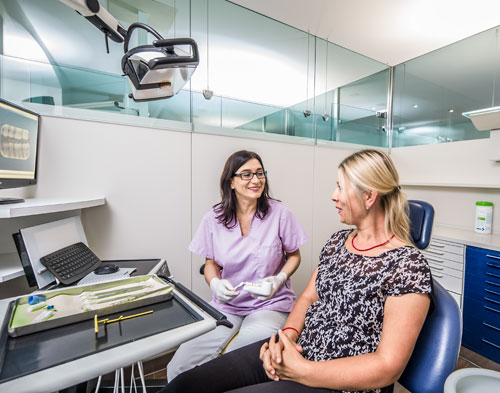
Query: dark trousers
x,y
239,371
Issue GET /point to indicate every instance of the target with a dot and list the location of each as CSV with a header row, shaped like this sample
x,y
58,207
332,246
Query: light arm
x,y
99,17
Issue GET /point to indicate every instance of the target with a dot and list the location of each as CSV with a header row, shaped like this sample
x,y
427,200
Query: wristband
x,y
292,328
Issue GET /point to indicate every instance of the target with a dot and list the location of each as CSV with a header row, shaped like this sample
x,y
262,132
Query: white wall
x,y
456,206
464,162
452,177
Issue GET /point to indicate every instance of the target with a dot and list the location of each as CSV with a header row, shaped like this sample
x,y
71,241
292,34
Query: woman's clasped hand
x,y
273,354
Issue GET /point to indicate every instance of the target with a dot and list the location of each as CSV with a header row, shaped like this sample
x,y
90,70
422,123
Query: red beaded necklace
x,y
371,248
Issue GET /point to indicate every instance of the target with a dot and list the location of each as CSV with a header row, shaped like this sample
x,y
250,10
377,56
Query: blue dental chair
x,y
438,345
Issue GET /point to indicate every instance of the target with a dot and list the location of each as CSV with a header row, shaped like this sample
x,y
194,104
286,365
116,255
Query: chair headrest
x,y
421,216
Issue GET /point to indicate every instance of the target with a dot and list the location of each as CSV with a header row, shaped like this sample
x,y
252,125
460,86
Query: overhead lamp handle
x,y
180,41
139,25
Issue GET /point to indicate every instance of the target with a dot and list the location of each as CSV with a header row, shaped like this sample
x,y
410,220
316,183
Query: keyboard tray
x,y
79,303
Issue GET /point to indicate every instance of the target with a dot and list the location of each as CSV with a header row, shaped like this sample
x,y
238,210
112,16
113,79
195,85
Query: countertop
x,y
467,237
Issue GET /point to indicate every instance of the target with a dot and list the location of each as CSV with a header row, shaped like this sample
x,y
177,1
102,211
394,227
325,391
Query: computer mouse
x,y
107,268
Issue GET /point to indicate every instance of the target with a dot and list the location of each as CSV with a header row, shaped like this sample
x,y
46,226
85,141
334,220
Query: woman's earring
x,y
367,207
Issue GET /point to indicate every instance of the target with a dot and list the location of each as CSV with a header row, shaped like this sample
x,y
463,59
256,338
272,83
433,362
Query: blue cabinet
x,y
481,302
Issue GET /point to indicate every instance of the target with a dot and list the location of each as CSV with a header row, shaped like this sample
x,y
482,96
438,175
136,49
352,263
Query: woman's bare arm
x,y
297,316
271,352
212,270
292,262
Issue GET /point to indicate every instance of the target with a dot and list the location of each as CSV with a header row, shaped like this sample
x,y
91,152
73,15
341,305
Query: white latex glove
x,y
223,290
278,281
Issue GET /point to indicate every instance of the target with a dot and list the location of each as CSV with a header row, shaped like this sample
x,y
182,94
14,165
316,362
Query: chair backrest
x,y
436,351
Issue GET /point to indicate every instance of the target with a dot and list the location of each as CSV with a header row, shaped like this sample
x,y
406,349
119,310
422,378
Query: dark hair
x,y
226,208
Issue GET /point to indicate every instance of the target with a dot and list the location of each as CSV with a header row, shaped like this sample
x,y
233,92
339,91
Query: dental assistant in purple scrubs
x,y
246,237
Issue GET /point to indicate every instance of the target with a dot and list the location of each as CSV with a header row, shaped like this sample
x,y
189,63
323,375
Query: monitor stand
x,y
6,201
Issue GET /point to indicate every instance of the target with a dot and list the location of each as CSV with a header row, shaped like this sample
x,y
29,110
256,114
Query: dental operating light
x,y
159,70
154,71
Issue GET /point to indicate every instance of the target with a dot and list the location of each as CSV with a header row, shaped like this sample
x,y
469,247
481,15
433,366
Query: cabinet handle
x,y
493,275
436,267
490,343
437,275
435,260
492,265
491,326
491,309
491,300
436,252
493,257
492,283
492,292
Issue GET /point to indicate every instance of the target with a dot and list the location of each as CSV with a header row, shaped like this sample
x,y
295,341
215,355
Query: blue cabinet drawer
x,y
472,340
482,263
485,310
480,290
481,302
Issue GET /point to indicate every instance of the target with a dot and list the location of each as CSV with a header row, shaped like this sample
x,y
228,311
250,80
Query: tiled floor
x,y
155,368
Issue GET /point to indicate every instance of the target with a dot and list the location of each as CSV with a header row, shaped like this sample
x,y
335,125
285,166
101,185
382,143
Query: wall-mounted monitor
x,y
19,131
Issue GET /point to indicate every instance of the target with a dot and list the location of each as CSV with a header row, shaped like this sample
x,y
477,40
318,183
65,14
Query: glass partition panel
x,y
27,80
350,113
432,91
206,112
31,81
360,126
250,57
245,115
174,108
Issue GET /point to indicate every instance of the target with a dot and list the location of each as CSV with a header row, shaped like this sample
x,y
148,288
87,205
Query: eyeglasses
x,y
250,175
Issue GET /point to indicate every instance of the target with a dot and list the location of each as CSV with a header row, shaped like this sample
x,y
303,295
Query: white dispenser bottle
x,y
484,217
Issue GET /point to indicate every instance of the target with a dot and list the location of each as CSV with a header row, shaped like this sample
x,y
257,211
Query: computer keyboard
x,y
71,263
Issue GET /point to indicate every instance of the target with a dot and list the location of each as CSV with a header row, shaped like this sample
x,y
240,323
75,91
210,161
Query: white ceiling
x,y
390,31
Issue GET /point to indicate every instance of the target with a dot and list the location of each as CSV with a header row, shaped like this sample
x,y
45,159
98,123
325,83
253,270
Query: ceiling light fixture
x,y
488,119
415,105
485,119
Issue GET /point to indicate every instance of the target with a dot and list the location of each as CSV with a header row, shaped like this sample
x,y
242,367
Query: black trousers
x,y
239,371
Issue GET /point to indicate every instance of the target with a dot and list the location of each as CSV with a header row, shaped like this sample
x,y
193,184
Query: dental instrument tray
x,y
47,310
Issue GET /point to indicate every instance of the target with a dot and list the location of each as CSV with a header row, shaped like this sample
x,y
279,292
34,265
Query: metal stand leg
x,y
141,373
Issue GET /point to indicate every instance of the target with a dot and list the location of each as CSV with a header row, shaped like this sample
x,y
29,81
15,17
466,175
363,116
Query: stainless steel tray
x,y
74,306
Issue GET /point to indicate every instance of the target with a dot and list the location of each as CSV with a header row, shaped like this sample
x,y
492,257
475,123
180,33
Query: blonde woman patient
x,y
354,327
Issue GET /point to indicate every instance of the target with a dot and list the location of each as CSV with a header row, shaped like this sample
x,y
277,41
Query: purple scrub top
x,y
250,258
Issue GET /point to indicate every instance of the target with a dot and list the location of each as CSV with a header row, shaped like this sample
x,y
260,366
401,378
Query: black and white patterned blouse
x,y
352,289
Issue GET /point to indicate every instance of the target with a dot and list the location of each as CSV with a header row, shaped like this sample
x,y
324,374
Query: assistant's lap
x,y
239,371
